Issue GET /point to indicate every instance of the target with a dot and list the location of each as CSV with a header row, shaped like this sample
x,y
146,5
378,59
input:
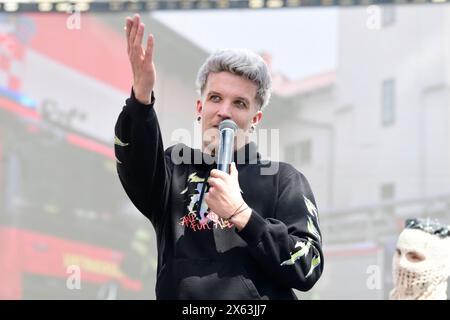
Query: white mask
x,y
421,266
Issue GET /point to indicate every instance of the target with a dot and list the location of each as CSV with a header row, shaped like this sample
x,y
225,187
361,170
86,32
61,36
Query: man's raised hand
x,y
144,73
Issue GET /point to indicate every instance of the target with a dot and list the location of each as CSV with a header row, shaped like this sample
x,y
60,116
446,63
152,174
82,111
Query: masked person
x,y
421,263
242,235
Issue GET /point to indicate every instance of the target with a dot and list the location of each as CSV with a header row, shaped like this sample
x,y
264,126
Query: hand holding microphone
x,y
224,196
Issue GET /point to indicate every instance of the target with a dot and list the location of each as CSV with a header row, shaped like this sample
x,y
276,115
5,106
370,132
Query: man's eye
x,y
240,104
214,98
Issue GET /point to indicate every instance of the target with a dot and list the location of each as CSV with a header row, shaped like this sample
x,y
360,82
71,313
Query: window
x,y
388,102
387,191
388,15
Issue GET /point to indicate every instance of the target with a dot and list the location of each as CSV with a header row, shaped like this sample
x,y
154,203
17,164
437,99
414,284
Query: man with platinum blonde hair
x,y
237,235
421,263
241,62
229,65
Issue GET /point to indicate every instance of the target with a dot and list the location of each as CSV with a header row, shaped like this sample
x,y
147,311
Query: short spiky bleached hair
x,y
241,62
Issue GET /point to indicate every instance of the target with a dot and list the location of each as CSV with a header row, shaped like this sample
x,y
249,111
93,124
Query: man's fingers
x,y
149,51
138,39
207,198
128,25
233,170
212,173
217,173
214,182
134,28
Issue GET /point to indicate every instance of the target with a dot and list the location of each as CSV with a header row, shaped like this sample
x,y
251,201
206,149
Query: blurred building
x,y
372,137
61,204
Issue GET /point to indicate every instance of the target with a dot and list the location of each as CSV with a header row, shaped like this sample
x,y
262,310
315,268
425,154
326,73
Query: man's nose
x,y
225,110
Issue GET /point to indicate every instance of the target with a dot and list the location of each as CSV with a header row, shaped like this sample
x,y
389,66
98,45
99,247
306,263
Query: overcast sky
x,y
302,41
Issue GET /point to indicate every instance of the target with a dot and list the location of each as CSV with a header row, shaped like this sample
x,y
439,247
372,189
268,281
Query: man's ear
x,y
199,106
257,117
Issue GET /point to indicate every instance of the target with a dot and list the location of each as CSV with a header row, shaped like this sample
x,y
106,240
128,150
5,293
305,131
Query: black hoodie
x,y
201,256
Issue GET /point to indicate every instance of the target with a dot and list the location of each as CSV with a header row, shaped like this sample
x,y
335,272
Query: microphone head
x,y
228,124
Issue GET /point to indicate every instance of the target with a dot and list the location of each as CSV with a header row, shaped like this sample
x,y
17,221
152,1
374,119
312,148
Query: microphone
x,y
227,129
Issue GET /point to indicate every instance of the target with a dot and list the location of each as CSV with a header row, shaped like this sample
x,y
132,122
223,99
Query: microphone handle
x,y
223,167
226,148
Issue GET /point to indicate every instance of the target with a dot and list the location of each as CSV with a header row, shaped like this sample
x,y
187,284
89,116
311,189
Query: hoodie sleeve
x,y
288,247
143,168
